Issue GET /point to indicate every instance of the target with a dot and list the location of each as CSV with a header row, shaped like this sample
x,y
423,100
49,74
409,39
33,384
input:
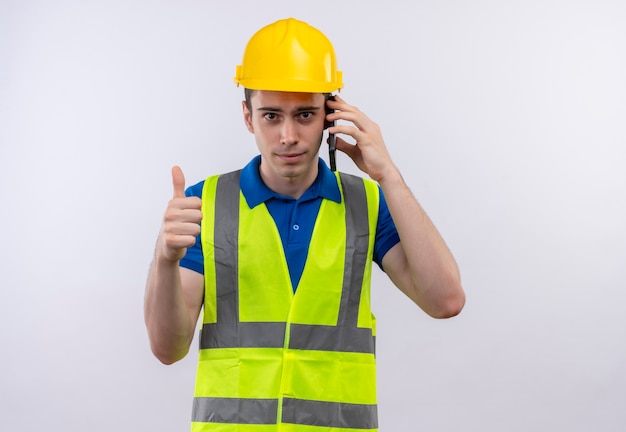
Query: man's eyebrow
x,y
276,109
269,108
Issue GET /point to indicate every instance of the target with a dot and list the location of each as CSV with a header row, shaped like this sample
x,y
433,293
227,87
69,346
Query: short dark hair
x,y
247,94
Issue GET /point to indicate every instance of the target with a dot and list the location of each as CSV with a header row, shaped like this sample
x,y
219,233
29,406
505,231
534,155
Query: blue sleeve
x,y
386,233
194,259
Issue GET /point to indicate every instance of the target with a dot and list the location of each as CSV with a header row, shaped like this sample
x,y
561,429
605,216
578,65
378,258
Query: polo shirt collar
x,y
256,192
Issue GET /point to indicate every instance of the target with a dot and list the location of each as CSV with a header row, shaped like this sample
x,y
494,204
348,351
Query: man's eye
x,y
270,116
306,115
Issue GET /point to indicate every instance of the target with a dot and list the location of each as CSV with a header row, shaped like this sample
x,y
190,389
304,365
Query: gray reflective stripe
x,y
228,332
234,410
244,335
357,242
330,414
227,249
330,338
224,332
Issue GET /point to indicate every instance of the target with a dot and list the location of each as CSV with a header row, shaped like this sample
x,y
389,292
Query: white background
x,y
507,119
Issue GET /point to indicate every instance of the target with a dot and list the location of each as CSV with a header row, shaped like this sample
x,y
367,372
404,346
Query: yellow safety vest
x,y
271,360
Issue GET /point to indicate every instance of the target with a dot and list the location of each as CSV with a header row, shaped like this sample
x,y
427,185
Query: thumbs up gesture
x,y
181,222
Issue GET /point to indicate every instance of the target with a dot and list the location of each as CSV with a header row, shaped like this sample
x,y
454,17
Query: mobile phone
x,y
331,137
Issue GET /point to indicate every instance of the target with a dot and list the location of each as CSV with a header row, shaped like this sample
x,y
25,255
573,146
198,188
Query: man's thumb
x,y
178,180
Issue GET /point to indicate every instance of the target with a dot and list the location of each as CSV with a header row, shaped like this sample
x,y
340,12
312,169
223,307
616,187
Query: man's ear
x,y
247,116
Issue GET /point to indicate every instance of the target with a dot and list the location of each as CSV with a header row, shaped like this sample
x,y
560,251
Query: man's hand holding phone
x,y
369,151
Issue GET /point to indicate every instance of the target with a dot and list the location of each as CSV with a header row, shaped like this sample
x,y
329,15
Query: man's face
x,y
288,129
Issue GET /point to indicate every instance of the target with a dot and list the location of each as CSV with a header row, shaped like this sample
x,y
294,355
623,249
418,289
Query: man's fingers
x,y
348,130
350,149
178,181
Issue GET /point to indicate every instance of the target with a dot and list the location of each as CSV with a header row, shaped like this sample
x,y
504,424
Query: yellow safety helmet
x,y
289,55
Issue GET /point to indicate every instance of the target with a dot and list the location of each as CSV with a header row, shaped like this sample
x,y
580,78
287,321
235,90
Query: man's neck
x,y
293,187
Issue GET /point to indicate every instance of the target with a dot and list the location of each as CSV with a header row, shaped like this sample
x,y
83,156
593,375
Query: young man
x,y
281,262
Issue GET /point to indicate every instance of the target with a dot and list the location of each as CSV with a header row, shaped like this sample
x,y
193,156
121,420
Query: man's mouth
x,y
290,157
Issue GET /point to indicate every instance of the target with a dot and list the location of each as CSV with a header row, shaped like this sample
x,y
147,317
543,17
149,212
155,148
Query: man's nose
x,y
289,132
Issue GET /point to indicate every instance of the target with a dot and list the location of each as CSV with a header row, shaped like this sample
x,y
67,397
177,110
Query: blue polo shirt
x,y
295,218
